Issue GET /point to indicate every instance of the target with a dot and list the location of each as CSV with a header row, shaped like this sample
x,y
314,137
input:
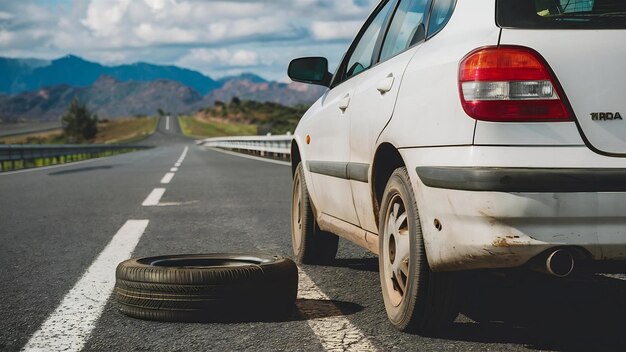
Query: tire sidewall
x,y
298,187
401,315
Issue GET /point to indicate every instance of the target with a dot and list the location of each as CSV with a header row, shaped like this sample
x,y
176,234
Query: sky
x,y
217,38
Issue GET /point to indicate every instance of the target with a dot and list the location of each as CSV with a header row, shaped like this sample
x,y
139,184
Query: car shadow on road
x,y
587,313
308,309
303,309
361,264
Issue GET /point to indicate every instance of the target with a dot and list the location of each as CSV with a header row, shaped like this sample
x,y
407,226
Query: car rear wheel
x,y
311,245
416,299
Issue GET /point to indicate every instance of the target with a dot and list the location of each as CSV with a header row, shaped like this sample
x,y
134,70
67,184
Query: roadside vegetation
x,y
122,130
246,117
198,127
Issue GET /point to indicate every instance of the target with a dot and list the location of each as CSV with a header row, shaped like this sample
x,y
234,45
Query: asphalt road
x,y
55,222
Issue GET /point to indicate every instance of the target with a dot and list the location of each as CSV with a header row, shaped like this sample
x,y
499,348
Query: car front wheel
x,y
416,299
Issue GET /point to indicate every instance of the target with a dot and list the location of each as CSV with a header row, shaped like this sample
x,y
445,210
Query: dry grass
x,y
194,127
123,130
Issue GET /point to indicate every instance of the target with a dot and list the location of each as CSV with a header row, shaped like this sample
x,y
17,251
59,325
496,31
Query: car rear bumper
x,y
479,217
514,179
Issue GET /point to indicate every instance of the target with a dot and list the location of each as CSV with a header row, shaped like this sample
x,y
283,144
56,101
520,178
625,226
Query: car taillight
x,y
510,84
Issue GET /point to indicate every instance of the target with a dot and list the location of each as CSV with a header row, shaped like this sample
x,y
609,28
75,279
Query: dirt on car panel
x,y
508,241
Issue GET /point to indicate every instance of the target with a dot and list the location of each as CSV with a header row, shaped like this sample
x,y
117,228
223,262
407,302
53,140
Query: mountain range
x,y
39,90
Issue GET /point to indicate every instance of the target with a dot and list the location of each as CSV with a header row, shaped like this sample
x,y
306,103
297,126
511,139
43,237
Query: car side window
x,y
439,15
406,28
361,57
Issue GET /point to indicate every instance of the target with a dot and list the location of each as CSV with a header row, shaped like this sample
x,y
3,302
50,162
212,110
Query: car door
x,y
375,98
329,148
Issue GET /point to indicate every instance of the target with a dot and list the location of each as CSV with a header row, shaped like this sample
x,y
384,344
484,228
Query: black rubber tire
x,y
428,303
311,245
207,287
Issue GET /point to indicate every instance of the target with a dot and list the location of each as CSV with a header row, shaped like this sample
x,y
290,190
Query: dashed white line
x,y
183,155
177,164
332,328
69,326
154,197
174,169
167,178
167,123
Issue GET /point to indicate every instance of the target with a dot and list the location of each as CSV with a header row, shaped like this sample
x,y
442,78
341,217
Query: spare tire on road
x,y
207,287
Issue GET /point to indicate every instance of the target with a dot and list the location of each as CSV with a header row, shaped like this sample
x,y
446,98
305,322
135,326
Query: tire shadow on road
x,y
587,312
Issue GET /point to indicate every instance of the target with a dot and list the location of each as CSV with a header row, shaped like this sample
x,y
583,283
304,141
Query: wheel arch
x,y
386,159
296,157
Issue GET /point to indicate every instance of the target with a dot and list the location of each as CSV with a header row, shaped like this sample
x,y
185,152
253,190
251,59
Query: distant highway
x,y
56,223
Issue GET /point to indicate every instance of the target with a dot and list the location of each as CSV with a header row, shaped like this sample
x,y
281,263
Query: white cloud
x,y
5,16
104,17
217,58
5,37
333,30
214,36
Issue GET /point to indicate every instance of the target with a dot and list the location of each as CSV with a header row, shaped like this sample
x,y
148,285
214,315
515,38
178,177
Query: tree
x,y
161,112
79,124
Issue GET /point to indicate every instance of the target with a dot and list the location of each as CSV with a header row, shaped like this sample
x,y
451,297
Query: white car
x,y
469,134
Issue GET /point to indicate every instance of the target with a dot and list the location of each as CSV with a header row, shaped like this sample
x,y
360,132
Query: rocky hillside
x,y
110,98
39,90
24,75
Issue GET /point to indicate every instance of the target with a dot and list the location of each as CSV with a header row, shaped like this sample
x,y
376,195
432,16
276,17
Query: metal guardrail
x,y
265,146
11,154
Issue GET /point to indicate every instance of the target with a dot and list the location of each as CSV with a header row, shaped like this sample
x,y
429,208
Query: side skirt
x,y
353,233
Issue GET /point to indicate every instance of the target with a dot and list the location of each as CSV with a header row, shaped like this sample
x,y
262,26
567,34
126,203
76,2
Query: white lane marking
x,y
154,197
286,163
69,326
174,204
167,178
167,123
615,276
183,155
174,169
333,329
177,164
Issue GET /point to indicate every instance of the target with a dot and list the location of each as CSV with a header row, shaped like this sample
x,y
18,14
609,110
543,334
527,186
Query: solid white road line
x,y
167,123
154,197
286,163
69,326
167,178
174,169
333,329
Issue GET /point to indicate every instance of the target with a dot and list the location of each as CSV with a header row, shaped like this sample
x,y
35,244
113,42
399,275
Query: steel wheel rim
x,y
296,215
396,253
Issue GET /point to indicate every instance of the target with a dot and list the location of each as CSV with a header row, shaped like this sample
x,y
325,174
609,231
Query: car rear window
x,y
562,14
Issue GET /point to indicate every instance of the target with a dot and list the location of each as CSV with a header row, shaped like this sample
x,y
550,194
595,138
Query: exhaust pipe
x,y
560,263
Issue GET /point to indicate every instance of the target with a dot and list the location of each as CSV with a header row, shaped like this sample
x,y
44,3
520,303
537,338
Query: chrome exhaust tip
x,y
560,263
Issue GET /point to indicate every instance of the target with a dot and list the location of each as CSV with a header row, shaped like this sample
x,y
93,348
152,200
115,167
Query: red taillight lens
x,y
510,84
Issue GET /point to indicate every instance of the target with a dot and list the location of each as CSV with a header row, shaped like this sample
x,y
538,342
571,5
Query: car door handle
x,y
344,103
385,84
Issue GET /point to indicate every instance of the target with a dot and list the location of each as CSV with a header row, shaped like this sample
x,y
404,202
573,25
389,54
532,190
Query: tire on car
x,y
416,298
311,245
207,287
